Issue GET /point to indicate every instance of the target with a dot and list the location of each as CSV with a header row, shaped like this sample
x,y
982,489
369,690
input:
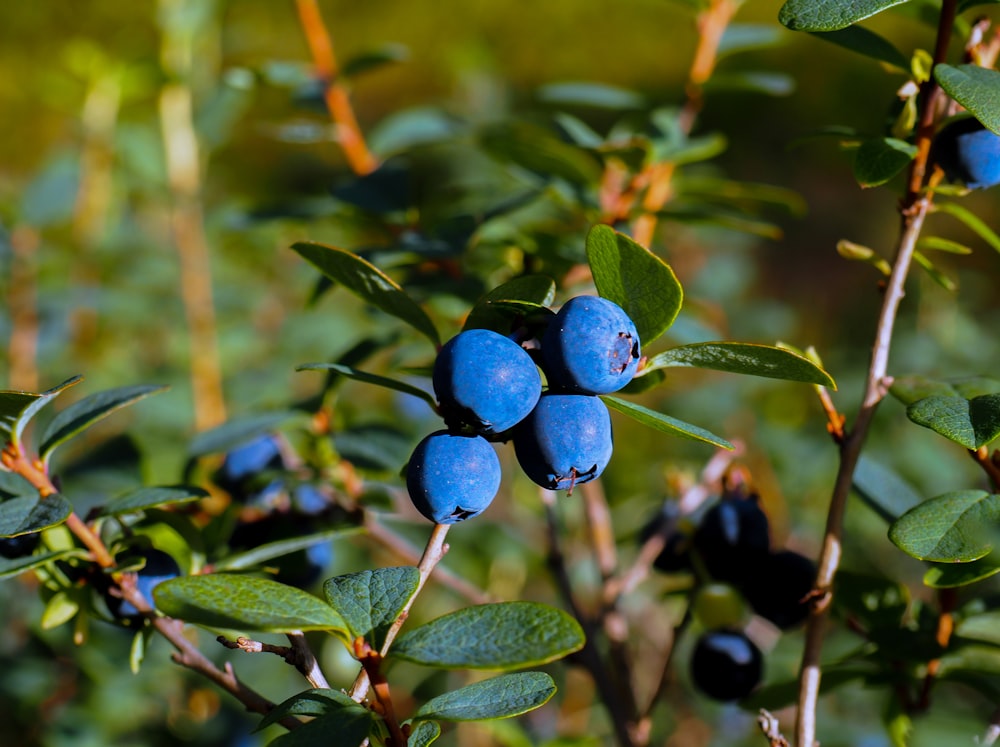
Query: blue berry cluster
x,y
489,388
274,506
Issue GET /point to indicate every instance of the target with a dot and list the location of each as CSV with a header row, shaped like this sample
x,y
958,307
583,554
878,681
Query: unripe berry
x,y
485,381
590,347
452,477
566,440
726,665
968,153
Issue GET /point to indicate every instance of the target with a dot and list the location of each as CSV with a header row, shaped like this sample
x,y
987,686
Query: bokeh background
x,y
94,284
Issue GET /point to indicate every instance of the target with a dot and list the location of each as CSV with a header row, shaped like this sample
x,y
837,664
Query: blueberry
x,y
676,555
565,441
452,477
485,381
590,347
726,665
159,567
779,586
242,473
732,538
303,567
19,546
308,499
968,153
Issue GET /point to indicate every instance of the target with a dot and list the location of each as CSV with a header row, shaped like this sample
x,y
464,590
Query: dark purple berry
x,y
779,586
732,537
485,381
726,665
19,546
452,477
565,441
590,347
676,553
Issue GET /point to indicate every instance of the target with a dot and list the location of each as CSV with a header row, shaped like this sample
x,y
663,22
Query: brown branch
x,y
372,662
989,465
298,655
913,210
771,728
349,135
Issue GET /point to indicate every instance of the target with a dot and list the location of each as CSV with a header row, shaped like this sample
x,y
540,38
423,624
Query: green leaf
x,y
720,217
370,378
913,387
741,37
883,490
743,358
880,159
349,724
61,608
370,601
239,602
863,41
89,410
425,733
751,196
539,150
981,627
969,422
150,497
315,703
860,253
10,567
874,601
493,311
235,432
955,527
972,222
936,243
506,635
936,275
369,283
373,59
31,513
18,408
261,553
587,93
635,279
952,575
665,423
829,15
974,87
500,697
752,81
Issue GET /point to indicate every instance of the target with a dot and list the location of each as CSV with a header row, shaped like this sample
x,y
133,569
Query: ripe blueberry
x,y
242,473
159,567
968,153
726,665
19,546
566,440
778,587
590,347
732,538
452,477
485,381
303,567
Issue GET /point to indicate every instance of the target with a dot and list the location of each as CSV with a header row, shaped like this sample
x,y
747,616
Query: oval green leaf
x,y
956,527
635,279
665,423
500,697
150,497
868,43
16,566
370,601
974,87
30,513
254,557
494,310
878,160
425,733
953,575
237,602
315,703
18,408
969,422
370,378
539,150
89,410
369,283
506,635
743,358
813,15
885,492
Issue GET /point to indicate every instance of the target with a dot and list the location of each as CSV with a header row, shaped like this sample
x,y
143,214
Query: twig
x,y
433,553
299,655
359,158
372,662
771,729
913,211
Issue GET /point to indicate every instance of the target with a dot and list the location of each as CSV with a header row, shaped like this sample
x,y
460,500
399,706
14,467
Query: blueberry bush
x,y
510,419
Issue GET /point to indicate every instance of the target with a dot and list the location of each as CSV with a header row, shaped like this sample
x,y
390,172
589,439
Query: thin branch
x,y
913,212
349,135
298,655
433,554
771,728
989,464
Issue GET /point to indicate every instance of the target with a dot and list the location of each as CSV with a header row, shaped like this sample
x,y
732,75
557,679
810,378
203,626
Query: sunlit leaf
x,y
18,408
974,87
743,358
370,601
26,514
956,527
810,15
972,423
500,697
665,423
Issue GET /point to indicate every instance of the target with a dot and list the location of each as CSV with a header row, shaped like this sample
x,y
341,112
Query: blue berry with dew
x,y
591,346
485,381
452,477
565,441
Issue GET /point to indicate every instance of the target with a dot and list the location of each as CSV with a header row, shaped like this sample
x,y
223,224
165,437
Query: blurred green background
x,y
94,285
